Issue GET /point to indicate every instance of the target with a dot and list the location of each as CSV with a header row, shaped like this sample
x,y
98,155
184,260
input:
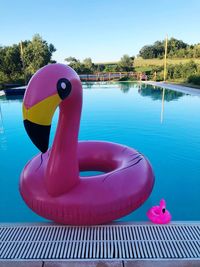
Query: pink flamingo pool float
x,y
50,183
159,214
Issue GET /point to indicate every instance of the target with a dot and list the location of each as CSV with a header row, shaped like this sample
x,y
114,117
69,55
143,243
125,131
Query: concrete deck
x,y
174,87
104,263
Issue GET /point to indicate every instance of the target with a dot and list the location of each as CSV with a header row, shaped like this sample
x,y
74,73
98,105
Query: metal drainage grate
x,y
135,241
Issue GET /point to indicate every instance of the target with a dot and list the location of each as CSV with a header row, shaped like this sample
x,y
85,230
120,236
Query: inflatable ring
x,y
50,183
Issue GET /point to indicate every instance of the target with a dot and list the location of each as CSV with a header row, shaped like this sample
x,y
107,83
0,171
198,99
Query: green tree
x,y
88,63
196,49
75,64
157,50
112,68
100,67
147,52
84,67
126,63
71,60
175,45
10,63
14,65
37,54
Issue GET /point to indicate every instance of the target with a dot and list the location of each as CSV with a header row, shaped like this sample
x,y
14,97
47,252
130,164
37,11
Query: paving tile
x,y
21,264
105,263
162,263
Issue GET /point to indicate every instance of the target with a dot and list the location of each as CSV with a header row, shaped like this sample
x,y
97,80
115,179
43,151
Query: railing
x,y
100,76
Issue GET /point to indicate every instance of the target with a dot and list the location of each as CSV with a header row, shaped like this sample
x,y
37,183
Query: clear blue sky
x,y
103,30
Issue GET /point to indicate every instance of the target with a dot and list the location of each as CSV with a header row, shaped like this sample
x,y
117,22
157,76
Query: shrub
x,y
126,78
195,79
182,71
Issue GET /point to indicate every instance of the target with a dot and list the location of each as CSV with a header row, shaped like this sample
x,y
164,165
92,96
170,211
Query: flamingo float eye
x,y
64,88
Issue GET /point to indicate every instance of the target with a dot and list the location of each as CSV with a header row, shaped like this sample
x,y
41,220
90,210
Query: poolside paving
x,y
85,264
103,263
175,87
163,263
21,264
131,263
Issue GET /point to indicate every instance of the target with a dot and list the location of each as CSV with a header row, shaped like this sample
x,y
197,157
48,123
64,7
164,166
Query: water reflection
x,y
88,85
10,98
3,140
1,121
19,98
125,87
163,105
96,85
156,93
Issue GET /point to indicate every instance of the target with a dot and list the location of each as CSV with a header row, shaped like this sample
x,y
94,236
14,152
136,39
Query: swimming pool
x,y
167,132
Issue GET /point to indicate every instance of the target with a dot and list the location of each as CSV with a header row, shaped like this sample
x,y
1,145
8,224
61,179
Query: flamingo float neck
x,y
64,151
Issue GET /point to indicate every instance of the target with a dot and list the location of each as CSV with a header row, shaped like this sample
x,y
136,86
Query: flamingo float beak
x,y
37,121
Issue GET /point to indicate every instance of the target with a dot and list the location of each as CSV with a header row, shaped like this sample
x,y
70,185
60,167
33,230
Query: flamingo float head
x,y
52,86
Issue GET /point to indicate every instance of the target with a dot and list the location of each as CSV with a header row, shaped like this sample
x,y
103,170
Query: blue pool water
x,y
124,113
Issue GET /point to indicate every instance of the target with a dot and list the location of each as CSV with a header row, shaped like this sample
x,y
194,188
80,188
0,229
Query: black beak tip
x,y
39,134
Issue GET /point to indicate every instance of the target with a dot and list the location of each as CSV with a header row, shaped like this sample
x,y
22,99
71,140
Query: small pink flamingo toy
x,y
159,214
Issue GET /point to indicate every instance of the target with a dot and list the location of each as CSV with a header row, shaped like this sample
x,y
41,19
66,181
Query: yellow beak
x,y
42,112
37,121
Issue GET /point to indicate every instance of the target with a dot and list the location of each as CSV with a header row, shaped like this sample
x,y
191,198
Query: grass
x,y
140,62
